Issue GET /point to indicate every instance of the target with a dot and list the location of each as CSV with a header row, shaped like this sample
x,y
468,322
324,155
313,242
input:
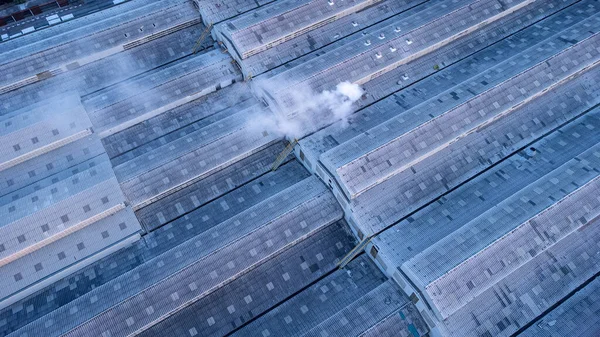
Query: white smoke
x,y
305,110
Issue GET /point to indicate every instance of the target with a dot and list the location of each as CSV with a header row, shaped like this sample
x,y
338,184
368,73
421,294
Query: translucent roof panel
x,y
347,301
62,53
40,111
60,254
28,133
403,323
198,219
556,155
215,11
69,25
54,190
533,288
218,185
24,176
520,212
460,160
385,50
193,115
282,21
63,206
368,311
577,316
143,180
183,270
330,35
506,246
111,69
401,142
179,143
248,296
455,83
133,102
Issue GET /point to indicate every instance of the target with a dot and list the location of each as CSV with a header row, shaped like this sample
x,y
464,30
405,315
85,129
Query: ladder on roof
x,y
355,251
288,149
202,37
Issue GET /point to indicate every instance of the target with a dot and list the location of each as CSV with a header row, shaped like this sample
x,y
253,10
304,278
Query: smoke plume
x,y
301,111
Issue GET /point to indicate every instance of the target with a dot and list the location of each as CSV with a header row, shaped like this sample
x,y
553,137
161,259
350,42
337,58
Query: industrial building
x,y
61,202
194,168
576,316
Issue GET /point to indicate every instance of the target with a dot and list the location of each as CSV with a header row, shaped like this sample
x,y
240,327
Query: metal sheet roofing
x,y
332,34
59,54
578,316
457,82
224,246
509,205
484,105
399,143
390,47
346,302
281,21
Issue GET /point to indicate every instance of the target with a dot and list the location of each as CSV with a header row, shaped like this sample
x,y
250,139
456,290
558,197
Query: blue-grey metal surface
x,y
578,316
485,105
